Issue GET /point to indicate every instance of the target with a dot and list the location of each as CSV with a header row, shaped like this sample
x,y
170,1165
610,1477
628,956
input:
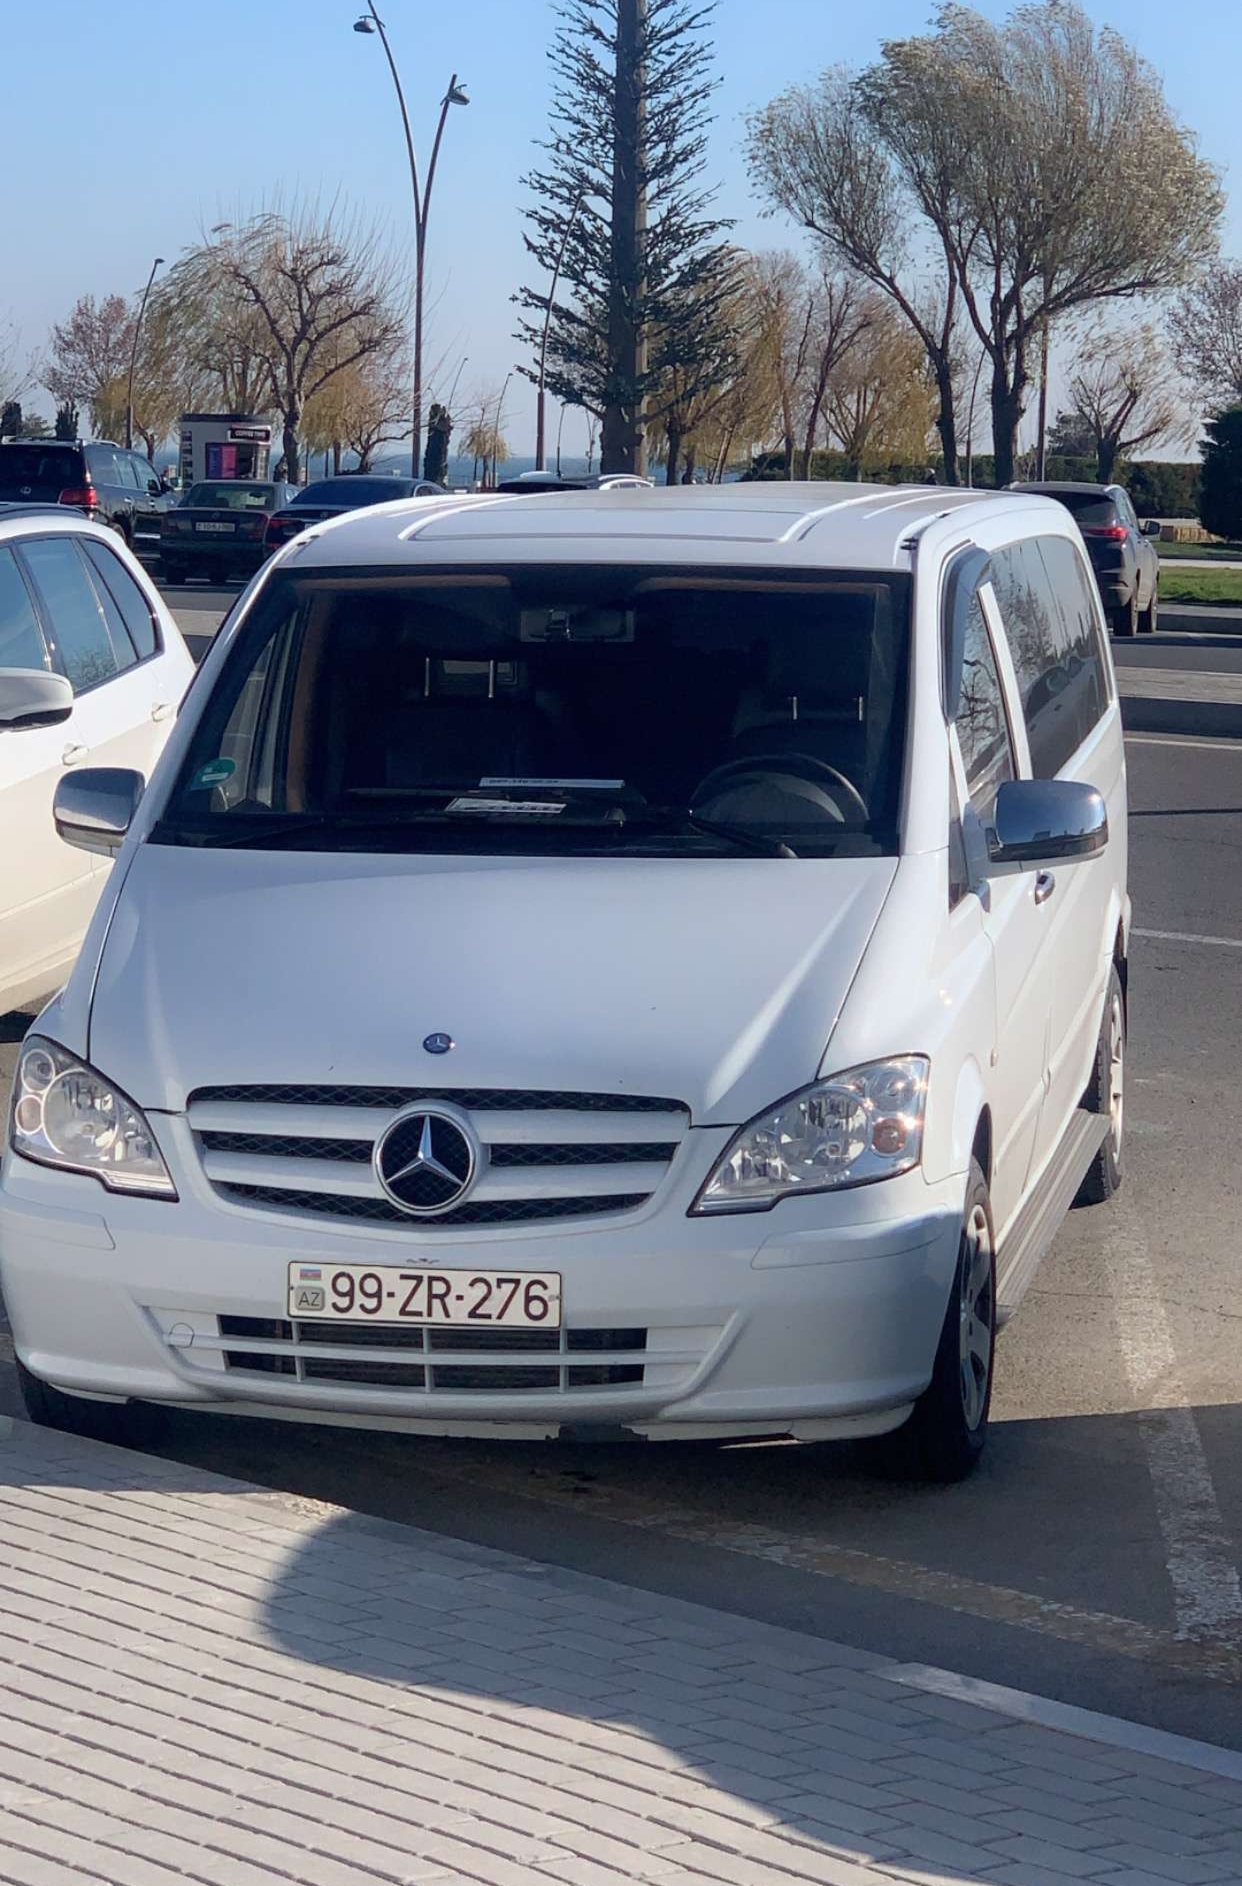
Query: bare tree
x,y
979,148
16,375
88,357
1124,390
315,295
815,153
1206,330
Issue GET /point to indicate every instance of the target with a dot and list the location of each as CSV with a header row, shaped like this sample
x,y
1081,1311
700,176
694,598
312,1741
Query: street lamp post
x,y
500,419
370,22
133,357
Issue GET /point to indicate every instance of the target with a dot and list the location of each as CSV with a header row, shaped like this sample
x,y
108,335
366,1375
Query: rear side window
x,y
1059,682
126,596
1075,592
83,647
105,465
21,639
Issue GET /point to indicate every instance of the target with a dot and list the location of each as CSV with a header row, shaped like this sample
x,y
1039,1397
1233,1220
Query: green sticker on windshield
x,y
214,773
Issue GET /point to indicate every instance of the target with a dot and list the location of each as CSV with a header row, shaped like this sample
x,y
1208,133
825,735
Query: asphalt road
x,y
1095,1557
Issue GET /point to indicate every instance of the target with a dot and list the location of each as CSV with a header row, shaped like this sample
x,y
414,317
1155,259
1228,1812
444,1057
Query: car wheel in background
x,y
171,570
1148,621
1106,1093
1123,617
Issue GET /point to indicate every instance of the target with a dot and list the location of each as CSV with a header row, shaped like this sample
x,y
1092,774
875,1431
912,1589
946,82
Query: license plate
x,y
225,527
374,1293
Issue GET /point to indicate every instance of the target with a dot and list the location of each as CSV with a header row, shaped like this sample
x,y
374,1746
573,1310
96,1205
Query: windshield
x,y
550,709
354,491
227,495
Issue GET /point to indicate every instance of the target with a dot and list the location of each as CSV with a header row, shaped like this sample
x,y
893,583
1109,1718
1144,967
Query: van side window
x,y
1049,673
1075,592
982,724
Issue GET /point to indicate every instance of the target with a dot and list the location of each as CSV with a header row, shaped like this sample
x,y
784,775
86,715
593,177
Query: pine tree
x,y
1220,495
643,276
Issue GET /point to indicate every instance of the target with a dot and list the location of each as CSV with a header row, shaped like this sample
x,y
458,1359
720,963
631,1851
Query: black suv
x,y
107,482
1126,565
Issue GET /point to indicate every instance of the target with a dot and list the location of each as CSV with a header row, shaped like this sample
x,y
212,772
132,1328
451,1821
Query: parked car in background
x,y
92,670
103,481
218,529
646,963
332,497
1125,561
527,482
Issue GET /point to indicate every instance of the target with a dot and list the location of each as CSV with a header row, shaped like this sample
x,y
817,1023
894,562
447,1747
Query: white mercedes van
x,y
638,961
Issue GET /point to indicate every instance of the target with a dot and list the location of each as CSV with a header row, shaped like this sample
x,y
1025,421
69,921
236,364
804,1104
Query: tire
x,y
123,1423
1106,1093
1123,617
171,570
124,532
945,1436
1149,618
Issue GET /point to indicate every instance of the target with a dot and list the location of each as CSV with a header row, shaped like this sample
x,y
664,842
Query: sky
x,y
130,128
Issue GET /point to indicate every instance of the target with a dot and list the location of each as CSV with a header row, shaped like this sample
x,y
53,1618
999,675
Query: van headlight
x,y
863,1125
66,1115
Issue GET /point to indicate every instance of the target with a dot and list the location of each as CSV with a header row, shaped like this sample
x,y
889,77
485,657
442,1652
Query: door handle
x,y
1045,884
73,755
160,710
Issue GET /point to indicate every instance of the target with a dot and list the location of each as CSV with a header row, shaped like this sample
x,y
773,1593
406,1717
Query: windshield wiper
x,y
741,836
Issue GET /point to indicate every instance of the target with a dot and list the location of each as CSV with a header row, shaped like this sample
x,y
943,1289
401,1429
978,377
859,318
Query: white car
x,y
92,669
632,961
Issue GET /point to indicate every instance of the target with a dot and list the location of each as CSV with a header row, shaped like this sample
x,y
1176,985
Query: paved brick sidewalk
x,y
203,1682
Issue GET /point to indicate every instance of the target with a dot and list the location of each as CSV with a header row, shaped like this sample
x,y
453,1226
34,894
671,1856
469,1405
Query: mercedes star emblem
x,y
427,1160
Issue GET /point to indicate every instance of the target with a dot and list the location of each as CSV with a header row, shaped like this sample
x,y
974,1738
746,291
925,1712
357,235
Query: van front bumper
x,y
817,1319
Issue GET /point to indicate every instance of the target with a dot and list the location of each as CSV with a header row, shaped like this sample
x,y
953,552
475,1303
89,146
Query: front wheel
x,y
124,1423
946,1434
1106,1093
1149,618
1123,619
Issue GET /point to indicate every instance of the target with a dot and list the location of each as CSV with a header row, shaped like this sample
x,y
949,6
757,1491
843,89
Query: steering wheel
x,y
769,763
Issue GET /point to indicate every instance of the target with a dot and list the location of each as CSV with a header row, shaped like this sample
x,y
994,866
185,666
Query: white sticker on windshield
x,y
562,785
495,807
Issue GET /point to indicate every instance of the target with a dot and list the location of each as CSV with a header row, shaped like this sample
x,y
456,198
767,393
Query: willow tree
x,y
985,147
635,274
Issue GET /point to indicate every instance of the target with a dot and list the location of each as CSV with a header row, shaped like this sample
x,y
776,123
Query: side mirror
x,y
94,809
32,697
1150,527
1042,821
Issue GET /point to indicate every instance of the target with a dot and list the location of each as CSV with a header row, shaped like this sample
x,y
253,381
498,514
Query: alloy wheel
x,y
976,1316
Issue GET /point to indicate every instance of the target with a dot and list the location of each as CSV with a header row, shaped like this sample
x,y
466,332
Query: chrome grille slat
x,y
308,1151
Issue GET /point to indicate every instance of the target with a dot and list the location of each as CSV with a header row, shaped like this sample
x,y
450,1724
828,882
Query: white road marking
x,y
1186,936
1171,740
1207,1596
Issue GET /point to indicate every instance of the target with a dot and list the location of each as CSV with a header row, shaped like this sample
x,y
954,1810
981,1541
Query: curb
x,y
1223,620
1068,1719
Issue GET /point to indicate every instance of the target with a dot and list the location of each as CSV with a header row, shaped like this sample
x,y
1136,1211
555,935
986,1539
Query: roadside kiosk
x,y
223,445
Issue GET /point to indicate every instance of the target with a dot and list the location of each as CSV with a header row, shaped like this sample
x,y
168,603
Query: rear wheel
x,y
124,1423
1148,620
1106,1093
1123,617
171,570
945,1436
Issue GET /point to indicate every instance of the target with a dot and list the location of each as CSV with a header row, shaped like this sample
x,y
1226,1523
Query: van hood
x,y
712,982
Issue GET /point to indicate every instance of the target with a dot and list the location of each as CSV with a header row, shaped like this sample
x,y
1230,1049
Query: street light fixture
x,y
133,357
370,23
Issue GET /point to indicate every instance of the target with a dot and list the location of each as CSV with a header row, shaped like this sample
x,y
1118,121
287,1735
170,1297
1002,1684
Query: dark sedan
x,y
218,528
332,497
1126,565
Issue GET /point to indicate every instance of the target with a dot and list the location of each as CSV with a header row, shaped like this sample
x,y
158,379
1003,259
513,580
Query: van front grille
x,y
543,1156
